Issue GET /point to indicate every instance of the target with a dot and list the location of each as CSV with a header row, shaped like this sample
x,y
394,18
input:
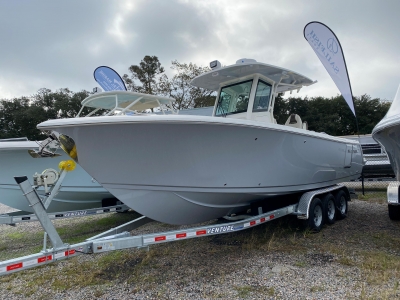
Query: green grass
x,y
317,288
16,236
246,291
243,291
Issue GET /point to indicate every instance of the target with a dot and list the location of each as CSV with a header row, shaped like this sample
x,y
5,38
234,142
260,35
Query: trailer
x,y
314,208
16,217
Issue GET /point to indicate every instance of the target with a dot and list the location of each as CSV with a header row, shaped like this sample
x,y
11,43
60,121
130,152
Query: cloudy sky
x,y
58,44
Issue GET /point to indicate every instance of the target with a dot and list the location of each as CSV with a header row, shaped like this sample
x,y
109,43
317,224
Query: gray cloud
x,y
59,44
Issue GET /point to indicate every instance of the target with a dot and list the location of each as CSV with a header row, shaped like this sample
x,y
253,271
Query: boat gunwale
x,y
176,119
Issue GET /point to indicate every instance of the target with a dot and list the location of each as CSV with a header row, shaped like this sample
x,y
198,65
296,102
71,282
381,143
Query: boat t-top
x,y
185,169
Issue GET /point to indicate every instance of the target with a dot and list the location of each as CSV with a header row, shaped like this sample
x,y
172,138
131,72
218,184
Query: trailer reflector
x,y
44,258
14,267
201,232
160,238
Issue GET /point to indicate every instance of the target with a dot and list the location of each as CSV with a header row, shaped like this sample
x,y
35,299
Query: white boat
x,y
184,169
387,133
376,161
79,190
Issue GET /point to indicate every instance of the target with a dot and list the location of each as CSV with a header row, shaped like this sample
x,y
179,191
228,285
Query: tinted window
x,y
263,93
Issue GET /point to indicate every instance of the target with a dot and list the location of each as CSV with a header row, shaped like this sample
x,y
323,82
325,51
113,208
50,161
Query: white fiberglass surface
x,y
213,79
10,145
395,107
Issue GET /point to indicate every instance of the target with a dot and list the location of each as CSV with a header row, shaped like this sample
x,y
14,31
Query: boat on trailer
x,y
185,169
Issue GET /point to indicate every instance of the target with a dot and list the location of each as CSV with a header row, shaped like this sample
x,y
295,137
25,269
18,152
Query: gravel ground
x,y
288,264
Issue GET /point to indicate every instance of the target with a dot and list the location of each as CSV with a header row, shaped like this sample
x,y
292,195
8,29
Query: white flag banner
x,y
328,49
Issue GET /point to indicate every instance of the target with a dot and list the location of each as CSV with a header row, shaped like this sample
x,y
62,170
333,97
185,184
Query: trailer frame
x,y
120,238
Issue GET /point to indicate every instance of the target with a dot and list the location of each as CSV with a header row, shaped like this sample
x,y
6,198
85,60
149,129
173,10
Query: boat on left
x,y
78,191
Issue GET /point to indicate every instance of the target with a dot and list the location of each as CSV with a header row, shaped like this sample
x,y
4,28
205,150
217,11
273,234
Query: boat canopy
x,y
286,80
123,101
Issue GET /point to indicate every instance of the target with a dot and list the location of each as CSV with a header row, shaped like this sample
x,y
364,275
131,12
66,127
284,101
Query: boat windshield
x,y
234,98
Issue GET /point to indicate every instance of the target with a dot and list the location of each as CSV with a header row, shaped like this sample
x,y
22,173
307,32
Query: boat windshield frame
x,y
220,111
117,109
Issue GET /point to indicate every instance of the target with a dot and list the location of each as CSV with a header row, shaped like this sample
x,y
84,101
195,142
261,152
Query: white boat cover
x,y
290,80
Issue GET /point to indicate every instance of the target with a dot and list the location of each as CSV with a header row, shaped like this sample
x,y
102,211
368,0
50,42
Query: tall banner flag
x,y
327,47
108,79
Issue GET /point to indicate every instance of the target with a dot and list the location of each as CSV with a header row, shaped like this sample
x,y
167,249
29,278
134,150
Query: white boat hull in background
x,y
387,133
78,190
189,169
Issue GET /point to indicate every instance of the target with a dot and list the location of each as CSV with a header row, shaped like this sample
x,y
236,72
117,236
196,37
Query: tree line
x,y
19,116
332,115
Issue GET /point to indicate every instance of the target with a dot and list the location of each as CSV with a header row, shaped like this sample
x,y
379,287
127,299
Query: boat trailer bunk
x,y
310,208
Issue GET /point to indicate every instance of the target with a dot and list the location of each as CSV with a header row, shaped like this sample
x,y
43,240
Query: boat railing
x,y
118,110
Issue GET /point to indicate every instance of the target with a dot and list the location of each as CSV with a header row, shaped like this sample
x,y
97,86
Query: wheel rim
x,y
317,216
343,205
331,209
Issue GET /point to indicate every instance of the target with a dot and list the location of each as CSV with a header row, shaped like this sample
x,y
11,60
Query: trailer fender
x,y
303,208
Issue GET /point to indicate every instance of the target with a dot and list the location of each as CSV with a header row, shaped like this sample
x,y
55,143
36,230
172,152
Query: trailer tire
x,y
315,216
394,212
329,208
341,201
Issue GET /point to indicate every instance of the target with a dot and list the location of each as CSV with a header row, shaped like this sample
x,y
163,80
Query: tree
x,y
147,72
19,119
20,116
369,112
179,87
332,115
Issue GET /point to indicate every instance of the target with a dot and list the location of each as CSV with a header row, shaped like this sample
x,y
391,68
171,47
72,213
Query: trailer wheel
x,y
315,215
341,205
394,212
329,208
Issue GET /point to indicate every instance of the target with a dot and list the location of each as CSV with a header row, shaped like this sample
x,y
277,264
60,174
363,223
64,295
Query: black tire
x,y
315,215
341,201
394,212
329,208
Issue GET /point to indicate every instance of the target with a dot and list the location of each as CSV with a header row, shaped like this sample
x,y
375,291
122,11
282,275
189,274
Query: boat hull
x,y
77,192
186,169
387,133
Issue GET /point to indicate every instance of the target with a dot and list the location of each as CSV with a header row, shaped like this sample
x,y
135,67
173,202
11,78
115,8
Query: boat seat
x,y
294,120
